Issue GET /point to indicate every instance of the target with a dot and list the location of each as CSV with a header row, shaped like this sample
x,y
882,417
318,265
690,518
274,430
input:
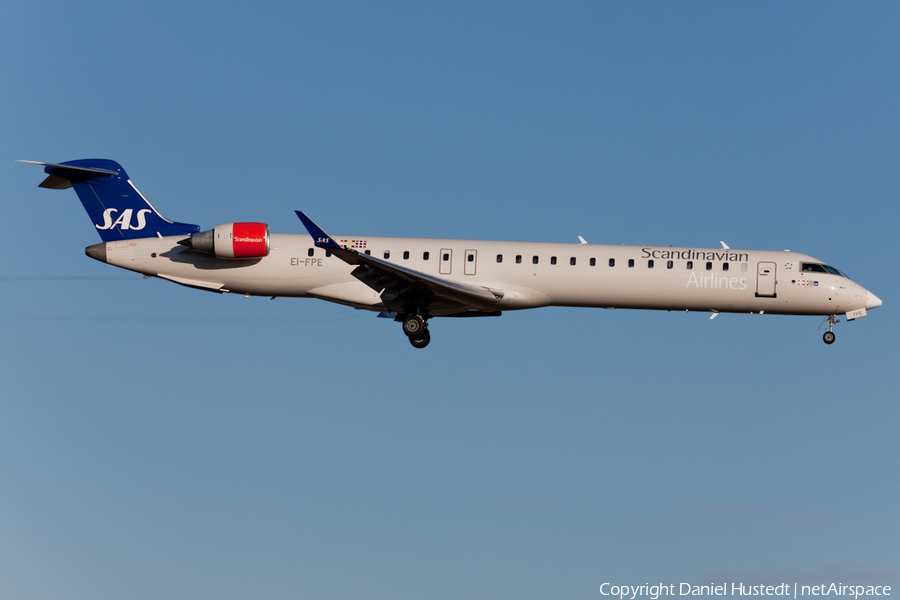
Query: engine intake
x,y
232,240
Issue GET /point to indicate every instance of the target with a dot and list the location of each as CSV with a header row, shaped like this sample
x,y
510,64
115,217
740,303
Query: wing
x,y
406,290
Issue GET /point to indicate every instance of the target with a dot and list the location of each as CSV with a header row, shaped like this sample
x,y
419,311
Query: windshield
x,y
820,268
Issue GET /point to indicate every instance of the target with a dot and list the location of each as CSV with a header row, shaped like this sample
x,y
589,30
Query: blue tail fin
x,y
118,210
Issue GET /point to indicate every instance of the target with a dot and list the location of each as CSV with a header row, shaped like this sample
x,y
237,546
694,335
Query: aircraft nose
x,y
872,301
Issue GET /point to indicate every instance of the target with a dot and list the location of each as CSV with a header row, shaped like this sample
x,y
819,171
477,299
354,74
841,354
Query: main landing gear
x,y
828,338
416,329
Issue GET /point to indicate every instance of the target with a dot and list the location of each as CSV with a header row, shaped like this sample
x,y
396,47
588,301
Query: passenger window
x,y
368,253
499,258
593,262
724,266
572,261
670,264
387,254
406,255
534,260
630,263
311,252
690,265
650,264
327,253
612,262
552,260
518,259
709,266
424,256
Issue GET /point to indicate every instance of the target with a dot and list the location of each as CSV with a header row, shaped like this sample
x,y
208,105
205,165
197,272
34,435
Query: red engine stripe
x,y
249,240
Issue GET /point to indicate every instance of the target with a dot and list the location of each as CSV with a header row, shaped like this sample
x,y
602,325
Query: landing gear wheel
x,y
828,337
413,326
421,342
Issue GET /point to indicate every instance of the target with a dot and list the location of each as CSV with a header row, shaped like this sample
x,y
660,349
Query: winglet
x,y
320,238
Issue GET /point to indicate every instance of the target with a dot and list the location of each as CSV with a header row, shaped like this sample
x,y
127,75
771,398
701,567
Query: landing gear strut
x,y
416,330
828,338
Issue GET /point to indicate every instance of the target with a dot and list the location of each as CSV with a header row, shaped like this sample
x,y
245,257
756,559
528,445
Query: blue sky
x,y
157,441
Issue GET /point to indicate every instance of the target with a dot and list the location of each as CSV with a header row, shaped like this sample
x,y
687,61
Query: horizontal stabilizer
x,y
61,176
55,183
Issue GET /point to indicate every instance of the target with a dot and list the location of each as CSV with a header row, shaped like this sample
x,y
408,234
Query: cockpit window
x,y
819,268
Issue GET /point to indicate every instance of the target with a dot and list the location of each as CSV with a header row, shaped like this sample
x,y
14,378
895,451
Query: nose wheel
x,y
828,338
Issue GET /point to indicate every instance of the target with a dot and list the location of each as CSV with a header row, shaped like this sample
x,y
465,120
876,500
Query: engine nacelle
x,y
232,240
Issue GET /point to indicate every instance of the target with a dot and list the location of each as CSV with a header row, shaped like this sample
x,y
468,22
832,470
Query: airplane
x,y
412,280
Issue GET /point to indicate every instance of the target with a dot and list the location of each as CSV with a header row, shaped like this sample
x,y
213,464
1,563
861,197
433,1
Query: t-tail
x,y
117,209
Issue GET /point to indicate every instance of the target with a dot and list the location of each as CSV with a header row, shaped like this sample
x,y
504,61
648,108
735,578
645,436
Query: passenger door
x,y
765,280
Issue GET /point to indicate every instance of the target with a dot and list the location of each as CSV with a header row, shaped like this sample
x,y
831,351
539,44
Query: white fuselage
x,y
529,274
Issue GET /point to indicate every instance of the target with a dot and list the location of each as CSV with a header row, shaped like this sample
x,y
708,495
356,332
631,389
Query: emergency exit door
x,y
446,261
471,259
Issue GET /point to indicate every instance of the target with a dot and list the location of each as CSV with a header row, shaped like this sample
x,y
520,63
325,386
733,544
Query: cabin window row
x,y
612,262
689,265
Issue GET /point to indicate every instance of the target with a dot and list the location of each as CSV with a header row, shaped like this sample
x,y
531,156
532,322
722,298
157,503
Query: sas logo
x,y
124,220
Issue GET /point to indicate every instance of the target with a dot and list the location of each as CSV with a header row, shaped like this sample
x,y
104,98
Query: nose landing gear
x,y
416,329
828,338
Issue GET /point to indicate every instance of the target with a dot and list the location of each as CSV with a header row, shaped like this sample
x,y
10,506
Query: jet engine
x,y
232,240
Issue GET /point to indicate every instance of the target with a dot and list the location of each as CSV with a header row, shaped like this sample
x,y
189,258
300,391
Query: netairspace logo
x,y
632,592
